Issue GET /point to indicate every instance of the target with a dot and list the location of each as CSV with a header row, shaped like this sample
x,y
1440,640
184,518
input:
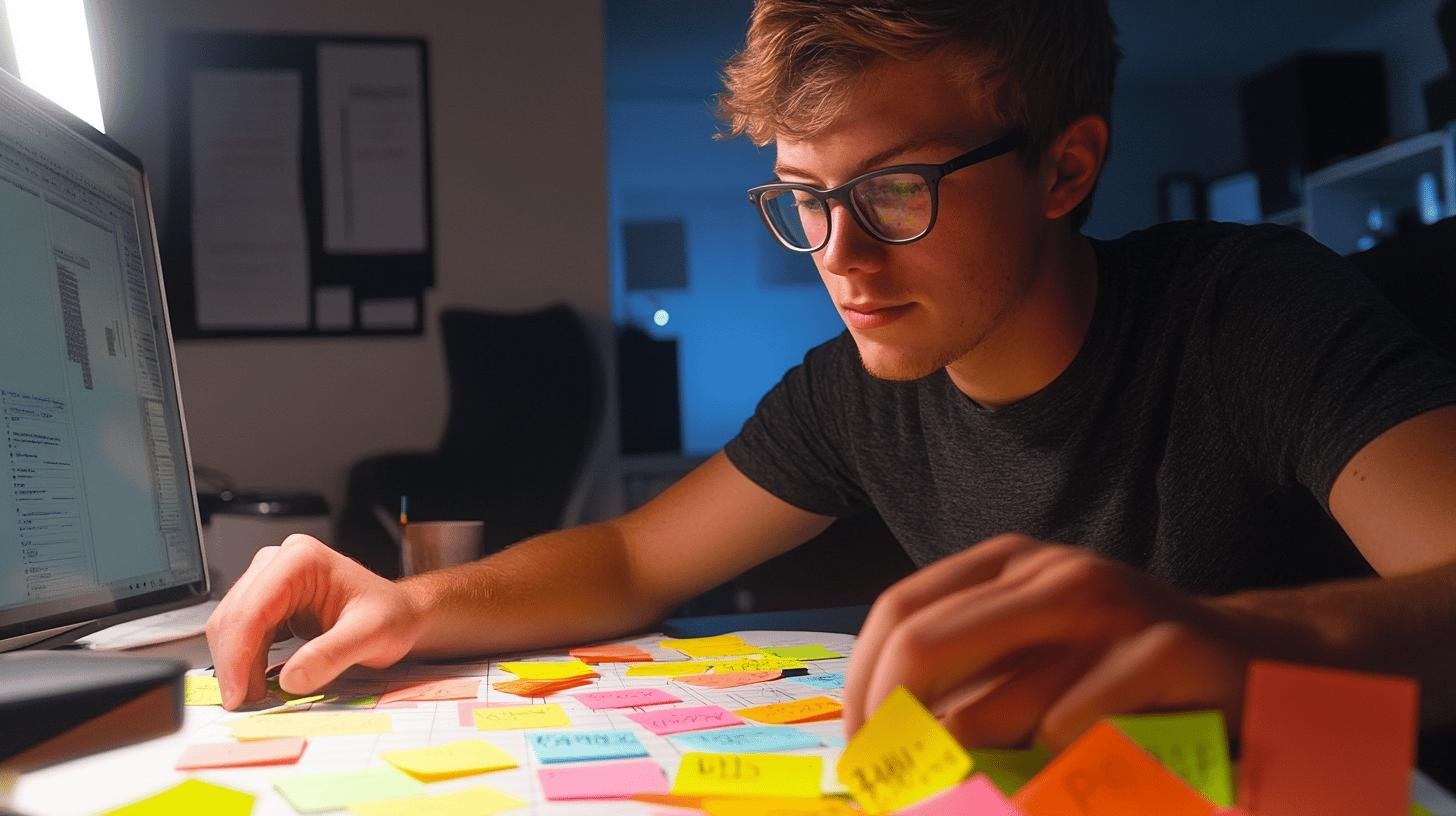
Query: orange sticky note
x,y
809,709
728,679
236,754
1104,773
452,688
613,653
539,688
1326,741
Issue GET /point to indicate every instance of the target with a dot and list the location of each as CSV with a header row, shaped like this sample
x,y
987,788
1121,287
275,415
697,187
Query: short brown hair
x,y
1043,63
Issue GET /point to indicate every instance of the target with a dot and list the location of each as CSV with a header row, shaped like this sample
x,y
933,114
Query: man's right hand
x,y
352,616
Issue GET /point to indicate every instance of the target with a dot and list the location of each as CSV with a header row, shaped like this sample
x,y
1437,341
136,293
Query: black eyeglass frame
x,y
931,173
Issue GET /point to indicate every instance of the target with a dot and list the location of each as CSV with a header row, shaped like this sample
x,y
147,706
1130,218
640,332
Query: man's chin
x,y
897,366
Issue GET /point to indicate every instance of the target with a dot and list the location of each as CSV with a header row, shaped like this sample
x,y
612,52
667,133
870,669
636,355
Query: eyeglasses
x,y
896,204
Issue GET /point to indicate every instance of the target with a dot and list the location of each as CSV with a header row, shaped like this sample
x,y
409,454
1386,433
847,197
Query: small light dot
x,y
660,317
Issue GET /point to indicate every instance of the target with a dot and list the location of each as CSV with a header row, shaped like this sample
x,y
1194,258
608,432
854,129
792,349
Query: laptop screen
x,y
97,511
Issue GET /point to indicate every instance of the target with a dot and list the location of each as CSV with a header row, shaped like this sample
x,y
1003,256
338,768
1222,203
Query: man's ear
x,y
1071,165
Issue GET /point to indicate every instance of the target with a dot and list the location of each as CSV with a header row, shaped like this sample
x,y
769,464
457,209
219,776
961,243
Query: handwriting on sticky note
x,y
508,718
334,790
604,780
309,724
1103,773
452,688
630,698
900,756
729,679
671,668
809,709
238,754
750,664
1193,745
748,739
548,670
191,796
449,760
824,681
479,800
748,775
677,720
716,646
583,746
201,690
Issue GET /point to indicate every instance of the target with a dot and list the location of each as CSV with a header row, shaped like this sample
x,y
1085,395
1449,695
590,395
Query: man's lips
x,y
873,314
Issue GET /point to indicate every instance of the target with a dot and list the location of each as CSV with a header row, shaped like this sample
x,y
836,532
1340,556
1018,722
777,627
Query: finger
x,y
356,637
953,640
1165,668
974,566
1007,714
236,686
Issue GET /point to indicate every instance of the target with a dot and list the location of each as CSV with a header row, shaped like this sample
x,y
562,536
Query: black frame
x,y
932,173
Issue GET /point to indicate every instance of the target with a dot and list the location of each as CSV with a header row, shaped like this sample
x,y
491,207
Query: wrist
x,y
1289,625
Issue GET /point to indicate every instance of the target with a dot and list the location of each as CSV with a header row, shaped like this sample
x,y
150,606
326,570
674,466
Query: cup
x,y
430,545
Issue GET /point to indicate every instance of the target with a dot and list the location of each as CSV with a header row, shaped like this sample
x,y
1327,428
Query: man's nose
x,y
850,250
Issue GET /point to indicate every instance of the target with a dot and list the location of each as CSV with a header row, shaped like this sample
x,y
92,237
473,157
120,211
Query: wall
x,y
520,222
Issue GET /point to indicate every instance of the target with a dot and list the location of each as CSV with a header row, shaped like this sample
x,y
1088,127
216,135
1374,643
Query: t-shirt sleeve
x,y
1310,362
795,444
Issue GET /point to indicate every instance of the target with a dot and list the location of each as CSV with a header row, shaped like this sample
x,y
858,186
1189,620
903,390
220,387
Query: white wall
x,y
516,98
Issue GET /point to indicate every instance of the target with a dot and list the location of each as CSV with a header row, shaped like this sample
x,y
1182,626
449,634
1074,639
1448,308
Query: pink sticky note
x,y
236,754
975,795
467,710
603,780
451,688
631,698
677,720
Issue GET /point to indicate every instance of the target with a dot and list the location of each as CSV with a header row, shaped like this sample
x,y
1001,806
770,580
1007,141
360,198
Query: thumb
x,y
356,637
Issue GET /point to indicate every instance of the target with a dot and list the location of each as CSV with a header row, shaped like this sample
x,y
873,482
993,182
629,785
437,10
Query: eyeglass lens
x,y
895,207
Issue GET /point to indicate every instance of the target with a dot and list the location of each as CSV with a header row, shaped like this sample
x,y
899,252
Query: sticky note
x,y
238,754
824,681
201,690
315,792
716,646
191,796
811,652
451,688
1193,745
449,760
748,739
1009,770
615,653
900,756
729,679
677,720
975,795
539,688
1417,809
778,806
748,775
507,718
1104,773
667,668
748,664
466,710
582,746
548,670
630,698
1326,741
603,780
809,709
479,800
310,724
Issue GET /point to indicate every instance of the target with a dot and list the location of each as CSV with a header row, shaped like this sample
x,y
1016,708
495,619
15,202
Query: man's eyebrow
x,y
881,158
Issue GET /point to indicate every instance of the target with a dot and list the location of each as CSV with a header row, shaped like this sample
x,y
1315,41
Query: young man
x,y
1211,422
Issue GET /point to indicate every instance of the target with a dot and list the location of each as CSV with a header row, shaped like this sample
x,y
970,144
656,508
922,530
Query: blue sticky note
x,y
824,681
748,739
834,742
579,746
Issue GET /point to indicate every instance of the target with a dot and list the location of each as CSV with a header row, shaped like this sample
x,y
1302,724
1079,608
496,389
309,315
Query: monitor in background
x,y
98,517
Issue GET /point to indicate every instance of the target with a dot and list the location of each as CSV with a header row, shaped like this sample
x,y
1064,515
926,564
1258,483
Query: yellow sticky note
x,y
812,651
716,646
201,690
310,724
753,664
191,796
554,670
779,806
1193,745
507,718
477,801
748,775
667,669
452,759
796,711
900,756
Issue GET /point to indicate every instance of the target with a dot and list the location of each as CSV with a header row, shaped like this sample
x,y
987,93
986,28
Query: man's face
x,y
916,308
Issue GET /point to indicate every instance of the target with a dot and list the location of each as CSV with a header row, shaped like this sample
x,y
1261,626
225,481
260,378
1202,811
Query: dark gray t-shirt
x,y
1228,375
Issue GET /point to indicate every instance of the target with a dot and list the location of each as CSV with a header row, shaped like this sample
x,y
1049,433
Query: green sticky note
x,y
1418,810
1193,745
191,796
315,792
1009,770
811,652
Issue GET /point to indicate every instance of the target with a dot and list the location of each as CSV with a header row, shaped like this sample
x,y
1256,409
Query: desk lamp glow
x,y
53,53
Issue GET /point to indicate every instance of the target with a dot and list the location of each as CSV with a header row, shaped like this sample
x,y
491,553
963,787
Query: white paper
x,y
371,132
249,240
